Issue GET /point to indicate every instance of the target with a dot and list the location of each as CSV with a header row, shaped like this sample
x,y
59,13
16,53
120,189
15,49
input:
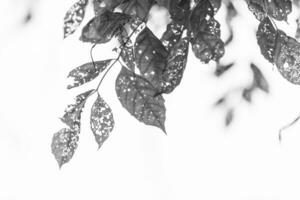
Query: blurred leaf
x,y
150,56
231,13
74,17
221,69
229,117
64,144
137,96
205,33
259,79
87,72
104,27
102,120
247,94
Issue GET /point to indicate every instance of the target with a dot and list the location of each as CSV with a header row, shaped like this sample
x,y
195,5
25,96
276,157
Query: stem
x,y
286,127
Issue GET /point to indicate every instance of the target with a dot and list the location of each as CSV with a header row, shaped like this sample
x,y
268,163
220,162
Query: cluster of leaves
x,y
152,66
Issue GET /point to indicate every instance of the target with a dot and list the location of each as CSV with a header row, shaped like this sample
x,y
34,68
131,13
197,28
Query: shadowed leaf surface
x,y
102,120
137,96
104,27
64,144
74,17
87,72
138,8
205,33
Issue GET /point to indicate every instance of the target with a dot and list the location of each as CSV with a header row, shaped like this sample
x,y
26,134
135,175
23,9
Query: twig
x,y
286,127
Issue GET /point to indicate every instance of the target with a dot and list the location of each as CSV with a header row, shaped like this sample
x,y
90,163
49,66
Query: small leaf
x,y
259,79
138,8
229,117
221,69
205,33
151,57
104,27
137,96
74,17
177,59
102,120
247,94
87,72
72,114
64,144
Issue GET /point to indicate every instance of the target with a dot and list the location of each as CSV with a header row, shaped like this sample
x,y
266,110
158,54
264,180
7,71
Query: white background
x,y
199,159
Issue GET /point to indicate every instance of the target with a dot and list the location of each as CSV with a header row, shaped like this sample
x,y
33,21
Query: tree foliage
x,y
153,67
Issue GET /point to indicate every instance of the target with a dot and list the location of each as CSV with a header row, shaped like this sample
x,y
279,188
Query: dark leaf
x,y
151,57
74,17
247,94
64,144
216,4
280,49
180,11
87,72
278,9
172,35
259,79
102,120
229,117
72,114
137,95
127,52
205,33
177,59
104,27
138,8
221,69
101,5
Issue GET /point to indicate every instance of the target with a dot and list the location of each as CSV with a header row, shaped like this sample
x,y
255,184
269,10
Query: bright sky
x,y
199,159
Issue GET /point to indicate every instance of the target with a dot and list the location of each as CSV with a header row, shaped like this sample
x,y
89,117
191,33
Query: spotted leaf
x,y
139,98
150,56
74,17
138,8
104,27
87,72
64,144
205,33
102,121
73,111
127,52
216,4
280,49
172,35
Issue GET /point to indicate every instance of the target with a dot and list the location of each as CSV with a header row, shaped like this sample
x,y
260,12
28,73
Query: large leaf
x,y
64,144
139,98
138,8
172,35
102,120
74,17
177,59
280,49
205,33
73,111
278,9
151,57
104,27
87,72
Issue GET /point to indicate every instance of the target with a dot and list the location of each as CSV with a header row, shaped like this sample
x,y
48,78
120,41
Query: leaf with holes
x,y
73,111
259,79
64,144
205,33
74,17
104,27
150,56
172,35
139,98
277,9
177,59
102,120
280,49
87,72
138,8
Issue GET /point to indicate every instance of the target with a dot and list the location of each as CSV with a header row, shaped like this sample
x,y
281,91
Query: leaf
x,y
101,5
137,96
102,120
172,35
259,79
231,13
247,94
87,72
205,33
280,49
229,117
138,8
221,69
127,52
216,4
74,17
177,59
277,9
150,56
104,27
72,113
64,144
